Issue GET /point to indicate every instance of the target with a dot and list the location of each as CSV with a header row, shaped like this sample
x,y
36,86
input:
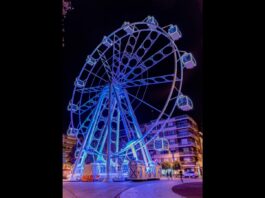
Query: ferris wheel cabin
x,y
188,60
184,103
79,83
174,32
72,131
90,60
151,22
127,28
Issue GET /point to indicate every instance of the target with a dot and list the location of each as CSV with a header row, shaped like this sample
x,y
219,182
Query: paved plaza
x,y
153,189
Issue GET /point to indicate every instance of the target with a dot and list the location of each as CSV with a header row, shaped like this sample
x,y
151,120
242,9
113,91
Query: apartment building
x,y
184,142
68,144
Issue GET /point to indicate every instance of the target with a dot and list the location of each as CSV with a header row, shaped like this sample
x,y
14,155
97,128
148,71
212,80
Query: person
x,y
170,175
167,175
181,174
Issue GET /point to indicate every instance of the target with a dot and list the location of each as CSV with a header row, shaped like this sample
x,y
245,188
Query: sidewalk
x,y
146,189
162,189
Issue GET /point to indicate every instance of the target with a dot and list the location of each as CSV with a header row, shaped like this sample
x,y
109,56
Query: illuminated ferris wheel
x,y
117,83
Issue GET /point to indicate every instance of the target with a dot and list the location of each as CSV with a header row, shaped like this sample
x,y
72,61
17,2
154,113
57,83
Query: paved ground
x,y
152,189
189,190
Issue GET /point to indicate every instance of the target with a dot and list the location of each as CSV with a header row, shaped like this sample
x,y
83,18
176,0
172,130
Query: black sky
x,y
92,19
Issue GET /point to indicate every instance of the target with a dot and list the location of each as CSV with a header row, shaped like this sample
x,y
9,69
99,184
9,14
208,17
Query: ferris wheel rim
x,y
161,32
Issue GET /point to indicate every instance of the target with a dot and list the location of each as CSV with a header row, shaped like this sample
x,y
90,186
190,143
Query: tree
x,y
166,165
176,165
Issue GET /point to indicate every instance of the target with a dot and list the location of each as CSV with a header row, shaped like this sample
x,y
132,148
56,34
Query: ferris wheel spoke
x,y
91,102
129,48
157,57
96,75
141,51
134,38
105,64
151,81
116,53
123,116
131,42
147,104
90,89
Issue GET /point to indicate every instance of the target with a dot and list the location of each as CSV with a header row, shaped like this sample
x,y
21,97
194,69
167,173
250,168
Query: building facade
x,y
185,143
68,144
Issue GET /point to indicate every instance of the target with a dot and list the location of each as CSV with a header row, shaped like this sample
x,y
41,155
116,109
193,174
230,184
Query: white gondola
x,y
72,131
184,103
174,32
161,144
72,107
151,22
107,41
79,83
127,28
188,60
90,60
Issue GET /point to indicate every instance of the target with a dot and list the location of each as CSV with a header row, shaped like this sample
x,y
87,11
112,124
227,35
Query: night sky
x,y
90,20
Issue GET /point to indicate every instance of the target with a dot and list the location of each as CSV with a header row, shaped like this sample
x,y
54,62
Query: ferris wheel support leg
x,y
145,152
108,179
117,135
79,163
105,132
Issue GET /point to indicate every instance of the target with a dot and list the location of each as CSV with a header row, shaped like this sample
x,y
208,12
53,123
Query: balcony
x,y
171,136
186,144
186,134
188,163
186,125
188,153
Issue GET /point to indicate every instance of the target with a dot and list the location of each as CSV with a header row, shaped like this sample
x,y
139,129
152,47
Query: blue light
x,y
172,29
188,60
72,107
90,60
107,41
79,83
101,104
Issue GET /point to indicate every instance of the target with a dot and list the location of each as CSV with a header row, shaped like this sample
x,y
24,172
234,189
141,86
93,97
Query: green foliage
x,y
166,165
176,165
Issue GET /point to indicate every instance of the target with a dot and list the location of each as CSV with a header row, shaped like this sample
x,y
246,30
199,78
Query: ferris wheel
x,y
118,82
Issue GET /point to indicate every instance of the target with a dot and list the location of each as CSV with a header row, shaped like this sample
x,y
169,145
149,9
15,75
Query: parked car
x,y
190,174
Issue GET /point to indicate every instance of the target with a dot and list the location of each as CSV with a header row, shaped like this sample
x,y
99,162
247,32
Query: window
x,y
184,141
168,133
163,152
187,159
172,141
170,124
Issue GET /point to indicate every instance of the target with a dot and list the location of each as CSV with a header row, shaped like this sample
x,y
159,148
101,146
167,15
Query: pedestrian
x,y
180,174
171,175
167,175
